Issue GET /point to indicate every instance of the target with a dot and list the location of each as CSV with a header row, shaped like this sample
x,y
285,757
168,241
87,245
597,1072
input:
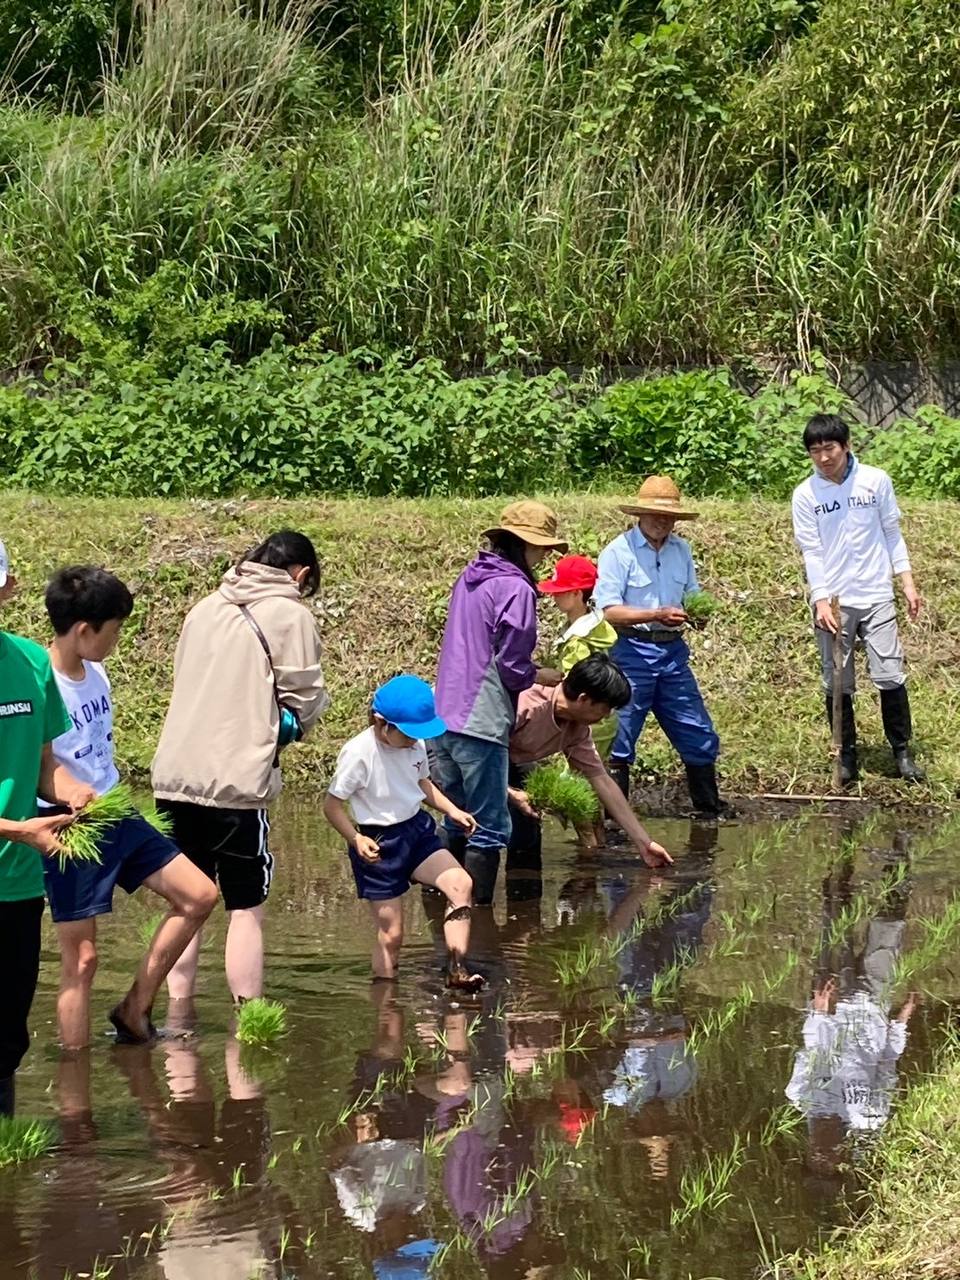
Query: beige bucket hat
x,y
659,496
531,521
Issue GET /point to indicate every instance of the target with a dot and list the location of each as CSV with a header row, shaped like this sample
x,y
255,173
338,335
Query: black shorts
x,y
228,845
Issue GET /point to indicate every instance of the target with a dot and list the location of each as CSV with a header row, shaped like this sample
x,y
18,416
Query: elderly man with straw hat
x,y
644,575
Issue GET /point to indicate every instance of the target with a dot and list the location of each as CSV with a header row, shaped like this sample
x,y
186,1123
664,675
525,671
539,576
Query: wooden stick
x,y
792,795
837,645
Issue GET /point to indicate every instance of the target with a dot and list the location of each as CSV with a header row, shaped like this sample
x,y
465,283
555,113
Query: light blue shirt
x,y
634,573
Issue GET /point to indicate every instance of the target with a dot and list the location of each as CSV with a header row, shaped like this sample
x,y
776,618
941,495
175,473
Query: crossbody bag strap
x,y
257,631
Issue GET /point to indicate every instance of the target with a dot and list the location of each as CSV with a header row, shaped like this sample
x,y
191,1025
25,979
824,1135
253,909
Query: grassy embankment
x,y
912,1229
388,566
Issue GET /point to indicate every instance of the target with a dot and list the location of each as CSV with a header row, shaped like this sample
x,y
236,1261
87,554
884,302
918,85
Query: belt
x,y
649,637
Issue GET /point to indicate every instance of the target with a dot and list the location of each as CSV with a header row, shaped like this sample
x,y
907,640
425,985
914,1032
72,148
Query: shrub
x,y
695,427
922,455
287,422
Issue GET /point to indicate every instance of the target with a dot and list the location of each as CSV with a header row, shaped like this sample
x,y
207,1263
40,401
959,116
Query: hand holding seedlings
x,y
77,795
521,801
43,834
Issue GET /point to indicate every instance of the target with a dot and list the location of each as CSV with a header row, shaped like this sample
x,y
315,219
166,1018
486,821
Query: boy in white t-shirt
x,y
392,841
87,607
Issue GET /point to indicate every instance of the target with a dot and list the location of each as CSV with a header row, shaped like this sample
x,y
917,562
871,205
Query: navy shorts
x,y
403,846
131,851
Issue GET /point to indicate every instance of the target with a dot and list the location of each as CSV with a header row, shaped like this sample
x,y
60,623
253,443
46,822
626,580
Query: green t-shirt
x,y
31,714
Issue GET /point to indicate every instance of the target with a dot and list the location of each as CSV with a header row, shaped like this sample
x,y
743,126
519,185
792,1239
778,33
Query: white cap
x,y
4,565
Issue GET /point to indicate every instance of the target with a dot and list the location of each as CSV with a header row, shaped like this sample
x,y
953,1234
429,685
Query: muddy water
x,y
638,1093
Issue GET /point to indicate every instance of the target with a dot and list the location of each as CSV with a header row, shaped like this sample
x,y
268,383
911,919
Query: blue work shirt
x,y
634,573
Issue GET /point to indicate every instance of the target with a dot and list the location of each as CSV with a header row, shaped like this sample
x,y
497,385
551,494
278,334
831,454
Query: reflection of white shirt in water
x,y
666,1070
378,1178
227,1256
847,1066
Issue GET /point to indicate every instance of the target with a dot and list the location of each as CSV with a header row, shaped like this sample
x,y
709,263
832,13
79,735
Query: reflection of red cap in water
x,y
572,573
573,1120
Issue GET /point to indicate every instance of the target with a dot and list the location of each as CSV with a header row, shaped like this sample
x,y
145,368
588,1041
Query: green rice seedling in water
x,y
700,605
784,1120
261,1022
554,788
22,1139
706,1189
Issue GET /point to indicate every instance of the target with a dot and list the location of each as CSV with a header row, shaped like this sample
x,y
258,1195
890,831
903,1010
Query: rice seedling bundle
x,y
554,788
700,605
260,1021
22,1139
82,838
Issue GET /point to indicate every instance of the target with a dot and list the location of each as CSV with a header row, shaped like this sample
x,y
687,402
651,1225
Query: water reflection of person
x,y
69,1218
380,1175
655,1068
204,1231
845,1074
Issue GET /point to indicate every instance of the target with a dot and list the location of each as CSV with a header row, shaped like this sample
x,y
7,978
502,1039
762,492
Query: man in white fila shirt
x,y
847,524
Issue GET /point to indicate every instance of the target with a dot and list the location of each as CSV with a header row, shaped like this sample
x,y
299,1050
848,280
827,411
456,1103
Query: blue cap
x,y
407,702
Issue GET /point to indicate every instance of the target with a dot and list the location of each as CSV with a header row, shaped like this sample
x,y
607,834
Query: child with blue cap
x,y
384,775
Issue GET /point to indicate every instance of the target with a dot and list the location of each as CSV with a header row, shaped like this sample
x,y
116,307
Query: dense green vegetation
x,y
290,421
252,248
490,182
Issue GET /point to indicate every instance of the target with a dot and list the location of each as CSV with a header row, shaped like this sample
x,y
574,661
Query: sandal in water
x,y
458,979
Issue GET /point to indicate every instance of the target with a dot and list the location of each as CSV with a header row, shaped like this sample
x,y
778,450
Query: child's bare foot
x,y
458,979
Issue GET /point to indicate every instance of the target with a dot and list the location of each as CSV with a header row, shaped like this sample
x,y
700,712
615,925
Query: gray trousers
x,y
876,629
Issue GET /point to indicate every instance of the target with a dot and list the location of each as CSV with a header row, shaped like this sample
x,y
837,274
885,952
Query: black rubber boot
x,y
849,769
619,771
895,713
7,1096
704,792
482,865
457,844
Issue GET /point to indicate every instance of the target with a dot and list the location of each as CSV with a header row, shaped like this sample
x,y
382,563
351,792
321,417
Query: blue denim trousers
x,y
661,681
472,772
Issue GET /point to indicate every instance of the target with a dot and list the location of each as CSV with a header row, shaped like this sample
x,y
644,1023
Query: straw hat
x,y
531,521
659,496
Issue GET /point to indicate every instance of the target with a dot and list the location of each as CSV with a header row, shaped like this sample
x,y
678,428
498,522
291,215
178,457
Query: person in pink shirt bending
x,y
557,719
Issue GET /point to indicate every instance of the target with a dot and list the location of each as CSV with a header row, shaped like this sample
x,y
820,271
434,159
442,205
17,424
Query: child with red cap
x,y
572,584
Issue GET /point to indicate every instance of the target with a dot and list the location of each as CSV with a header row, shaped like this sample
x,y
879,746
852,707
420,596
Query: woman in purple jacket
x,y
486,661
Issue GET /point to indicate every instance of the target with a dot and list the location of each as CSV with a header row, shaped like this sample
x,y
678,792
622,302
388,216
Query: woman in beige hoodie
x,y
246,680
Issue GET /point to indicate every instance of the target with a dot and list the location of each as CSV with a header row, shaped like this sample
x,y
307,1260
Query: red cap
x,y
571,573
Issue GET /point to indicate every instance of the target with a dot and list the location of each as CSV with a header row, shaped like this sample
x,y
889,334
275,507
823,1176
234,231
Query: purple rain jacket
x,y
486,660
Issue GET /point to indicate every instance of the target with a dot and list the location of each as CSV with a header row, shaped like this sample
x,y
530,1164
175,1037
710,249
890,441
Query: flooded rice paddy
x,y
643,1090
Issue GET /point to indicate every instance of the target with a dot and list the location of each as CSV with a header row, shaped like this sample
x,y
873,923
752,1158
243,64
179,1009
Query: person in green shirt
x,y
32,714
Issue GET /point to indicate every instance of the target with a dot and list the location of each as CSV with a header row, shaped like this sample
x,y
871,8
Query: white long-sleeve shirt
x,y
848,1064
850,536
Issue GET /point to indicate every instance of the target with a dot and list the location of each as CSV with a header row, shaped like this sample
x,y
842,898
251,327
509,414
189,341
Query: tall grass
x,y
493,204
